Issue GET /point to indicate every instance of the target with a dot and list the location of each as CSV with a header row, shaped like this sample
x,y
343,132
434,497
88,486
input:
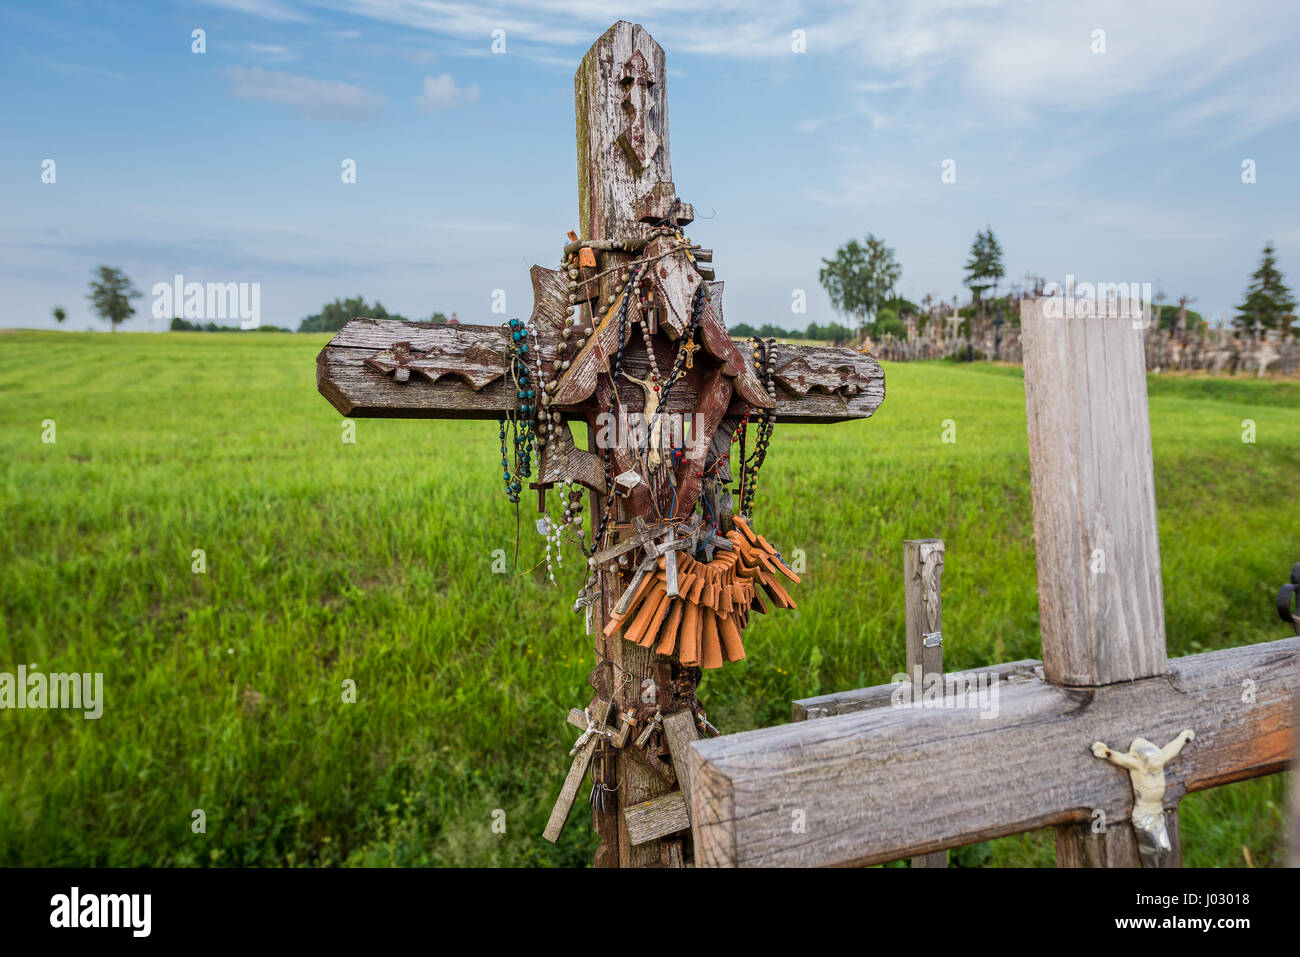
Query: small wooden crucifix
x,y
632,263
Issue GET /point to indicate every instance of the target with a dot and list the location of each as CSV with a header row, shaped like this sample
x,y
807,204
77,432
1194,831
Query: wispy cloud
x,y
321,99
273,52
80,69
1195,62
276,10
440,92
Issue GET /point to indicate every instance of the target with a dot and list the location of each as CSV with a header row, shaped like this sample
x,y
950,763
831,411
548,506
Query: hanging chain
x,y
765,366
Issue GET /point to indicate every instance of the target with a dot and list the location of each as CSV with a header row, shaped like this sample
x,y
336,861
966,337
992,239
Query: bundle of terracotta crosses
x,y
698,609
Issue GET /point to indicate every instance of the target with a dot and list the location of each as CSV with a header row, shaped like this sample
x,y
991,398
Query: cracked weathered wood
x,y
569,790
679,732
1080,845
614,107
856,777
360,391
658,817
880,696
1098,551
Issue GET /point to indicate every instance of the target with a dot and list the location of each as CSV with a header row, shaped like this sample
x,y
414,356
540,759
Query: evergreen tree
x,y
984,268
1269,304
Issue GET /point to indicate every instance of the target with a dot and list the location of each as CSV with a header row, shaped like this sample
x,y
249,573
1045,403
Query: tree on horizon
x,y
860,278
111,294
1269,303
984,268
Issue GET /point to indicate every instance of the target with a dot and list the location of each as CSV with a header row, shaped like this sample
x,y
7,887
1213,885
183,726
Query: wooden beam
x,y
569,791
923,597
1098,552
658,817
679,732
854,383
1293,856
881,696
855,778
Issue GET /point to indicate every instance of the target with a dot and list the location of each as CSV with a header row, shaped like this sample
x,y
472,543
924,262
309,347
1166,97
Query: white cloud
x,y
1191,63
323,99
273,53
276,10
440,92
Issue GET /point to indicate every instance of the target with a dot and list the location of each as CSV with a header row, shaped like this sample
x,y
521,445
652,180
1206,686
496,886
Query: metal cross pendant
x,y
689,347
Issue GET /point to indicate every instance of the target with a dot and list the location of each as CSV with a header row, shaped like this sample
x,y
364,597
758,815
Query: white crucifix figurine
x,y
1145,763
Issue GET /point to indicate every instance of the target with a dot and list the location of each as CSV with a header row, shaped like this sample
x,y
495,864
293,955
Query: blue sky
x,y
1115,166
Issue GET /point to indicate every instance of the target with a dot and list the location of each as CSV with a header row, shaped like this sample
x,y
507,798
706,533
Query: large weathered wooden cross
x,y
868,782
589,363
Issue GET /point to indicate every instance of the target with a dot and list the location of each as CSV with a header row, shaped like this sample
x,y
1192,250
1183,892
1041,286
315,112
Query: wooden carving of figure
x,y
1146,767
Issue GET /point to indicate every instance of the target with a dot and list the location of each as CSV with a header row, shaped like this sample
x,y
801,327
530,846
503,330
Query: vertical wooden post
x,y
1099,590
1098,552
923,588
621,158
1293,854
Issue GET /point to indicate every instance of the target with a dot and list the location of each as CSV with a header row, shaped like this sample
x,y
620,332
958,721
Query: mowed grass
x,y
373,562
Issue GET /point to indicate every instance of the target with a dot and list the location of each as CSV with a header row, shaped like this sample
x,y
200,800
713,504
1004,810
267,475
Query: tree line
x,y
860,280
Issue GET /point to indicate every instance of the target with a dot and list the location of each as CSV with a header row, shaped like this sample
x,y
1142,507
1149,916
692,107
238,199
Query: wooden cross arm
x,y
887,783
448,371
394,369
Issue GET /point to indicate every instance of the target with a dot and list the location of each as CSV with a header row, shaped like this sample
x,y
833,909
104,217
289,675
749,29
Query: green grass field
x,y
373,562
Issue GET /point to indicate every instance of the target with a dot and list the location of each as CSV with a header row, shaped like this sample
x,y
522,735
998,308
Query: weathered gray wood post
x,y
618,155
1098,551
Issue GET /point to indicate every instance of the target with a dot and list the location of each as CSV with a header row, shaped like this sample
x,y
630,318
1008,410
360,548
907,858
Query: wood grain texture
x,y
856,777
658,817
360,391
923,594
879,696
569,791
610,185
621,108
1293,856
679,732
1077,845
1094,498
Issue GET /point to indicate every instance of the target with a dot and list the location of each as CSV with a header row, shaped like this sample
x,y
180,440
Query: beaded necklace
x,y
519,421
